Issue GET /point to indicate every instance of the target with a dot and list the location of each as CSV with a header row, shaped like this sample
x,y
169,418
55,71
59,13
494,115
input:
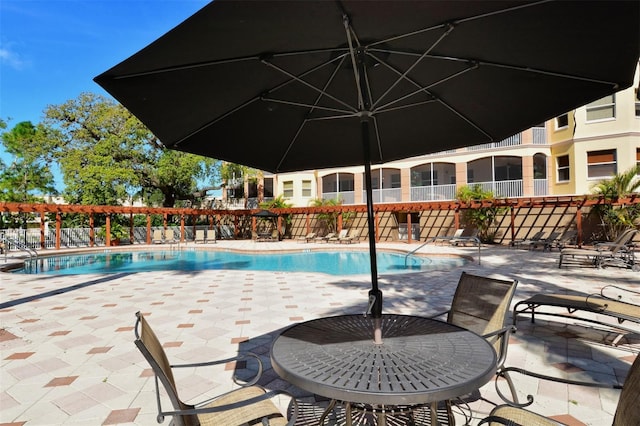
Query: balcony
x,y
390,195
347,197
433,193
502,188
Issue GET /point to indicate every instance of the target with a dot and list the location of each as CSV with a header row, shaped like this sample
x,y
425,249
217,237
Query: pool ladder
x,y
20,246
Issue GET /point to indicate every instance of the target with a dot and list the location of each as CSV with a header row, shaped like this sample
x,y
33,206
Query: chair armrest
x,y
503,334
619,296
438,314
504,372
235,405
240,357
497,419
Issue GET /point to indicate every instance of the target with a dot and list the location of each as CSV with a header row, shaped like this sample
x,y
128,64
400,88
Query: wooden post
x,y
182,228
108,228
58,229
92,231
409,228
42,236
148,228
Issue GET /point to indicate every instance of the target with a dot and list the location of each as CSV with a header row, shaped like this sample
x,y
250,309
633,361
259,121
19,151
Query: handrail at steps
x,y
16,243
476,240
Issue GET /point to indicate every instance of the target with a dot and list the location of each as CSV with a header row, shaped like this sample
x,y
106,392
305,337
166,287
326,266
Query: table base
x,y
340,413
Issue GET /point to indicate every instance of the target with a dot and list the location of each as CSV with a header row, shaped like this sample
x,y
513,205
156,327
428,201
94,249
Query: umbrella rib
x,y
309,85
420,89
402,76
307,105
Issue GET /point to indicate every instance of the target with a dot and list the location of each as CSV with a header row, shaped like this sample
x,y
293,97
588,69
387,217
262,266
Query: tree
x,y
27,179
482,218
107,156
617,219
329,220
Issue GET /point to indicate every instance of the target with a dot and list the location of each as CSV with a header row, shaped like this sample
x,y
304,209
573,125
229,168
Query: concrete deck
x,y
67,341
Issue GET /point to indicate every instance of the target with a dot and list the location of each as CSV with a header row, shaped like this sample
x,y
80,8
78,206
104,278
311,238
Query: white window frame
x,y
560,168
287,189
596,166
602,104
306,188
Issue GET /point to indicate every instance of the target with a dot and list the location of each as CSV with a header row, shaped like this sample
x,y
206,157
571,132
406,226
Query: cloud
x,y
11,59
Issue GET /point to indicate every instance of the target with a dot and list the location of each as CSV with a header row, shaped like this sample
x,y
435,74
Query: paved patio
x,y
67,341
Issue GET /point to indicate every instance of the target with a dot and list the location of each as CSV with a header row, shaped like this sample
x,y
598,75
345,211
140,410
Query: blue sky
x,y
50,50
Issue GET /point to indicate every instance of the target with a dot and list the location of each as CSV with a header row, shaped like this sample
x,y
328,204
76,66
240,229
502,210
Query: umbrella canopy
x,y
265,214
298,85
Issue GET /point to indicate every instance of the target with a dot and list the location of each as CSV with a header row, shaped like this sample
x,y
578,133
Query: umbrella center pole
x,y
375,295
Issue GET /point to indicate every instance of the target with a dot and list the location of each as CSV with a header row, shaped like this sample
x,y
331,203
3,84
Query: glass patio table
x,y
420,361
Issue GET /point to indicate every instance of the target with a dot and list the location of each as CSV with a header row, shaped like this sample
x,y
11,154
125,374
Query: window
x,y
306,188
638,158
602,109
562,121
287,189
563,168
637,102
268,187
601,163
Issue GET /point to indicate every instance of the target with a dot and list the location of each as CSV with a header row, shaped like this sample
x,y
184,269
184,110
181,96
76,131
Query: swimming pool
x,y
328,262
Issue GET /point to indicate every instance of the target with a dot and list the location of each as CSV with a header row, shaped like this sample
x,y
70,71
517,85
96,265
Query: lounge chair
x,y
337,238
569,237
458,233
309,237
598,304
157,237
615,253
199,238
481,304
469,235
627,412
353,237
250,404
537,237
546,242
169,237
326,238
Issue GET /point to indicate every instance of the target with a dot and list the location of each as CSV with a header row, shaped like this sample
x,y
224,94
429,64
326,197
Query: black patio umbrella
x,y
265,214
299,85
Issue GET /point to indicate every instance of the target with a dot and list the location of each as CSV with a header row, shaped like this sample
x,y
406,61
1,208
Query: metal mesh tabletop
x,y
420,360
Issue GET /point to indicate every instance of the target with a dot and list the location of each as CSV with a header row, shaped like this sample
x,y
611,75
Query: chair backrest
x,y
168,234
343,233
628,411
469,232
151,348
157,234
458,232
355,233
481,304
199,234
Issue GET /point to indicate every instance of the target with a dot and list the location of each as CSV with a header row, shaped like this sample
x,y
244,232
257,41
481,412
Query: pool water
x,y
328,262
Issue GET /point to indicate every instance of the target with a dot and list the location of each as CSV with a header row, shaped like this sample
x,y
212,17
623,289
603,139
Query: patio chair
x,y
309,237
545,243
326,238
569,237
469,235
199,238
614,253
337,238
627,412
537,237
169,237
353,237
157,237
481,304
248,405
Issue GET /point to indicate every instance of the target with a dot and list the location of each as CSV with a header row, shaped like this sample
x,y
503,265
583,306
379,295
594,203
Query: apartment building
x,y
564,156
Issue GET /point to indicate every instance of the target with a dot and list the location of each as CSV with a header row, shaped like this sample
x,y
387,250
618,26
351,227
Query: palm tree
x,y
616,219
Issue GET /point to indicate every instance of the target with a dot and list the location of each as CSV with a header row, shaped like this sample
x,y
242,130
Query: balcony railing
x,y
511,141
502,188
539,136
540,187
390,195
432,193
347,197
